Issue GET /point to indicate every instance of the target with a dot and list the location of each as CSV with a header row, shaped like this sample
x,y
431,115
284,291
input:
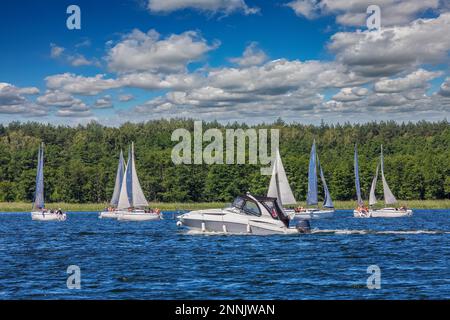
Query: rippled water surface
x,y
157,260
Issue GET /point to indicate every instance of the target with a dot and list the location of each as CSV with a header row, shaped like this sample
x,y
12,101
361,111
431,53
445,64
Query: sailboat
x,y
279,187
361,210
312,197
112,210
132,203
389,198
38,211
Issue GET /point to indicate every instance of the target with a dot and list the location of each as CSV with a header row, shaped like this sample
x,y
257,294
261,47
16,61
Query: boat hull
x,y
39,216
108,215
217,222
384,213
310,214
134,216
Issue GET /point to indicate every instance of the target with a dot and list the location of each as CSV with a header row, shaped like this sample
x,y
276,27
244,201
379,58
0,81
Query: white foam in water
x,y
329,231
346,231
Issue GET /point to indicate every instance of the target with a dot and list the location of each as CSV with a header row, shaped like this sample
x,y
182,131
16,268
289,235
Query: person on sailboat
x,y
299,209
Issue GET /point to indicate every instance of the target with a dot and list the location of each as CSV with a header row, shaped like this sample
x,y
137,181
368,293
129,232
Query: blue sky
x,y
251,61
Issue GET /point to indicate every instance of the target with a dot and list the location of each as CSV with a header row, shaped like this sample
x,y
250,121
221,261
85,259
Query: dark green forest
x,y
81,161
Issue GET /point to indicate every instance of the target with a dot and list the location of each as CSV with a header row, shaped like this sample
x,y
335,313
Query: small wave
x,y
346,231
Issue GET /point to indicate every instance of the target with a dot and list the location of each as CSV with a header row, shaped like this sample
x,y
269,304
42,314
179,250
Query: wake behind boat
x,y
247,215
312,198
389,199
132,203
39,212
112,211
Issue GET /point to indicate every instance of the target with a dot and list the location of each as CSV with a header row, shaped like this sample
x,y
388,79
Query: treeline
x,y
80,162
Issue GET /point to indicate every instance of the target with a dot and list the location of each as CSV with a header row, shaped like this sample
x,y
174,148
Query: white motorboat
x,y
247,215
132,202
39,212
389,198
327,210
112,210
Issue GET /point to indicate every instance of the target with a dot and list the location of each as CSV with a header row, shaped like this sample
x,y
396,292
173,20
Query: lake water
x,y
157,260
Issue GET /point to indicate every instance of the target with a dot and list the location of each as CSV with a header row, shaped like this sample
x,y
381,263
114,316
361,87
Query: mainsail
x,y
311,198
389,198
327,202
39,191
131,194
119,178
279,185
372,197
357,183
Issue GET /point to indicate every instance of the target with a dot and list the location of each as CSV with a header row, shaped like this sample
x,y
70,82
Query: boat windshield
x,y
251,208
238,203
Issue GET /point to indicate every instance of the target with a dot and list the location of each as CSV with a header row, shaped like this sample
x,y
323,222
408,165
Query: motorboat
x,y
112,211
132,203
247,214
389,199
39,213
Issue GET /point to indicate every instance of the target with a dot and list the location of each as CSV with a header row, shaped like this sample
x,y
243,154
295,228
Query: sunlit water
x,y
157,260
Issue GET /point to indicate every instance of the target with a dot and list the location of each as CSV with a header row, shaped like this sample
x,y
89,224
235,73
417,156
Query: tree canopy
x,y
80,162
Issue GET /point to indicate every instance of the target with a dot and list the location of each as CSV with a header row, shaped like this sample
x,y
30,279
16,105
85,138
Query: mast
x,y
357,182
279,185
119,178
311,198
389,198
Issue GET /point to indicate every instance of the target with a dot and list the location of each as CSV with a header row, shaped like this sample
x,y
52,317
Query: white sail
x,y
279,185
312,196
119,178
124,202
389,198
138,198
327,201
372,197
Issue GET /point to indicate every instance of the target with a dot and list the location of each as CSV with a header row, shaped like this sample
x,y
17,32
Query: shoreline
x,y
175,206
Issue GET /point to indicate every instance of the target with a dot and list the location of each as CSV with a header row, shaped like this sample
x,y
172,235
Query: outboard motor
x,y
303,226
